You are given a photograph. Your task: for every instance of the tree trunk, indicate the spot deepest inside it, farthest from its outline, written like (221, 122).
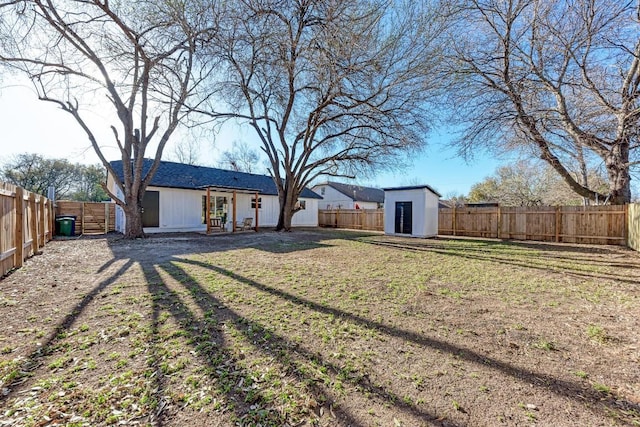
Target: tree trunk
(281, 200)
(619, 177)
(288, 199)
(133, 220)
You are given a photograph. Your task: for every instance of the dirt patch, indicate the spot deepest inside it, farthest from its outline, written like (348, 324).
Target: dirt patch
(320, 327)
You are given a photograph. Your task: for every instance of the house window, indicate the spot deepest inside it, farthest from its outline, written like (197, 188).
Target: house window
(322, 191)
(302, 204)
(253, 203)
(217, 208)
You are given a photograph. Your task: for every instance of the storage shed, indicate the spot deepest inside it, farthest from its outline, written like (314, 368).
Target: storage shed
(411, 211)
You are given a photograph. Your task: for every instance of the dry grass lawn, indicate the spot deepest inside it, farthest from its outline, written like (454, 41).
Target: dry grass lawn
(321, 328)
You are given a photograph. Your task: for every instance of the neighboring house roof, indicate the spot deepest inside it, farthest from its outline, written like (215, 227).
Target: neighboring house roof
(482, 205)
(414, 187)
(357, 192)
(445, 204)
(180, 175)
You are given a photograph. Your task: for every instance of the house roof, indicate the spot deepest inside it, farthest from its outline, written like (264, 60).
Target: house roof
(180, 175)
(357, 192)
(445, 204)
(414, 187)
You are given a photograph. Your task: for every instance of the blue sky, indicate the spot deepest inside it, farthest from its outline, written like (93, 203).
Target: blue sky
(33, 126)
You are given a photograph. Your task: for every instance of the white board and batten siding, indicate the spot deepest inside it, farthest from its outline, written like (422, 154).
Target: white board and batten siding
(423, 202)
(270, 210)
(180, 210)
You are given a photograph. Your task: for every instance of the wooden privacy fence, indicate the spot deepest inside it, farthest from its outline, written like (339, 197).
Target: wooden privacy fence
(357, 219)
(633, 233)
(618, 225)
(91, 217)
(26, 224)
(568, 224)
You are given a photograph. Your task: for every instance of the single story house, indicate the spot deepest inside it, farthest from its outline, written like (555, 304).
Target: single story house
(176, 199)
(336, 195)
(411, 211)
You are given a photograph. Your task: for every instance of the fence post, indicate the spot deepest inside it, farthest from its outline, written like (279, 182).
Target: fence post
(498, 226)
(454, 220)
(558, 222)
(41, 222)
(625, 228)
(106, 218)
(19, 236)
(82, 214)
(52, 219)
(34, 223)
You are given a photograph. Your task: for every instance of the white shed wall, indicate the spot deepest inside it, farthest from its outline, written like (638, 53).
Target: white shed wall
(424, 211)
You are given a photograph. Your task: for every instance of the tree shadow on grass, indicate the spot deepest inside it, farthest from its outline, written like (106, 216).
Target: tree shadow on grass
(128, 254)
(32, 361)
(539, 261)
(289, 355)
(574, 391)
(202, 334)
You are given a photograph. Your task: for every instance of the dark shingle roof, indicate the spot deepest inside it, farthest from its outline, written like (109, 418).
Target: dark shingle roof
(180, 175)
(362, 194)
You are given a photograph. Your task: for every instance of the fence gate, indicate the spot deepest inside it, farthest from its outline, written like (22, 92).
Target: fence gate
(91, 217)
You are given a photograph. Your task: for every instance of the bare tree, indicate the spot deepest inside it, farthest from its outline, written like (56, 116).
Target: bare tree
(330, 88)
(241, 158)
(187, 151)
(529, 183)
(562, 77)
(138, 56)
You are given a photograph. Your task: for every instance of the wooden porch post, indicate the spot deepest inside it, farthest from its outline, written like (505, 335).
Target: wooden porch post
(206, 210)
(256, 212)
(234, 213)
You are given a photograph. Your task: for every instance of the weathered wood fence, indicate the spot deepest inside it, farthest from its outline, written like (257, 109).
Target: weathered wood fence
(357, 219)
(91, 217)
(618, 225)
(568, 224)
(26, 224)
(633, 229)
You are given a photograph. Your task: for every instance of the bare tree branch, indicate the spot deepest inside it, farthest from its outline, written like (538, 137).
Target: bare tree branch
(562, 77)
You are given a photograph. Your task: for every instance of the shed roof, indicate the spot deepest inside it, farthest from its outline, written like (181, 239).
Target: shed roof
(180, 175)
(414, 187)
(358, 192)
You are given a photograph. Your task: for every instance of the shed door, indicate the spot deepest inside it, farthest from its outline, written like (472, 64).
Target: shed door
(151, 209)
(403, 217)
